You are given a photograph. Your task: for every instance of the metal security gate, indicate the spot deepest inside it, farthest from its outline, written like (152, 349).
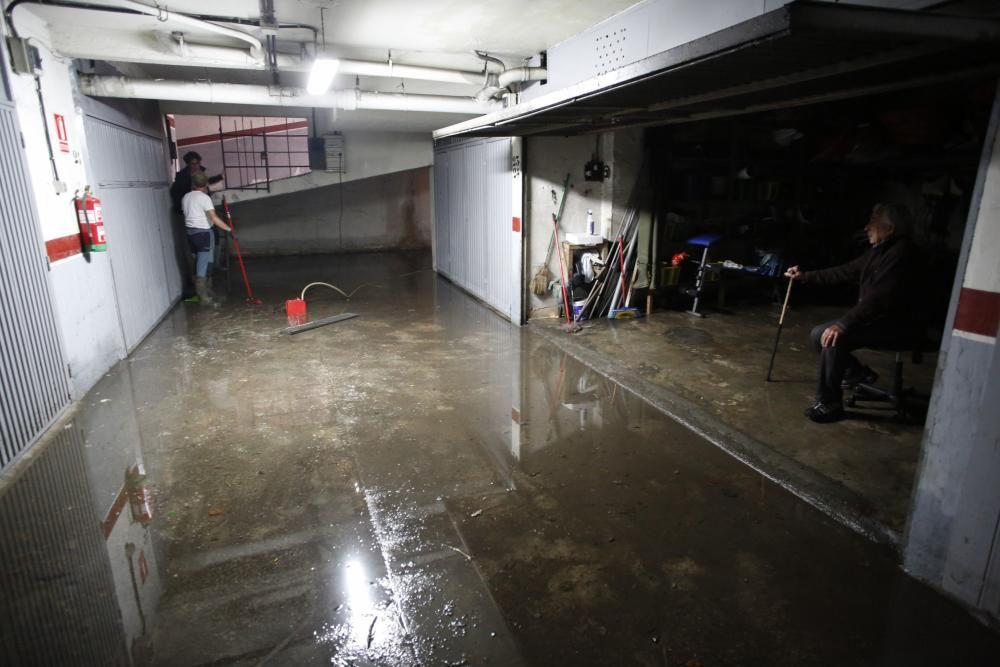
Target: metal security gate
(472, 218)
(33, 383)
(128, 169)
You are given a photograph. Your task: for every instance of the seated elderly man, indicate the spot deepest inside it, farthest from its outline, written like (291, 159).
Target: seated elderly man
(881, 317)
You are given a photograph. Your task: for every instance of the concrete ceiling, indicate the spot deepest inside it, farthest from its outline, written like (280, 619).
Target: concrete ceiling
(434, 33)
(441, 33)
(516, 28)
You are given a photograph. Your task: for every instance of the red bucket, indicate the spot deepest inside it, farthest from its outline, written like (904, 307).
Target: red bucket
(296, 311)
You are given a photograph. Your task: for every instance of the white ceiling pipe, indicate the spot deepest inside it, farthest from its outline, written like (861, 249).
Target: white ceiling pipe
(363, 68)
(521, 75)
(89, 45)
(406, 102)
(233, 93)
(165, 50)
(160, 48)
(174, 18)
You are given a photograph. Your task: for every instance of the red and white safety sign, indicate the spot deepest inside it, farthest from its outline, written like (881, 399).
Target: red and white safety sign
(61, 133)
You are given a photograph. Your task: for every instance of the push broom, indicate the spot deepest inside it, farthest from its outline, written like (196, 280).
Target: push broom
(251, 300)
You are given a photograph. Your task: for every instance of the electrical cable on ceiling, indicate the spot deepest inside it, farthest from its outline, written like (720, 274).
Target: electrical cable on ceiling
(215, 18)
(487, 59)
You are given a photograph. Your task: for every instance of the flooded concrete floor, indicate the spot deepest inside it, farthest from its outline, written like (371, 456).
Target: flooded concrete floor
(715, 368)
(421, 485)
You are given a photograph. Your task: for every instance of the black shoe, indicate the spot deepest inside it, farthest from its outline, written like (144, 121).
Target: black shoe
(825, 413)
(861, 375)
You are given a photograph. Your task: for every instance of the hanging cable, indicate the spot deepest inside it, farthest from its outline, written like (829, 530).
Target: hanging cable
(45, 126)
(322, 26)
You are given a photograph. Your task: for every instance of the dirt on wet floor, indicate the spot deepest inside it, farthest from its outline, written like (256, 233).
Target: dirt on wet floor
(712, 372)
(427, 485)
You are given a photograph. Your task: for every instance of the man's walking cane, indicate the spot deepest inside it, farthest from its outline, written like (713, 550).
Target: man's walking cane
(781, 323)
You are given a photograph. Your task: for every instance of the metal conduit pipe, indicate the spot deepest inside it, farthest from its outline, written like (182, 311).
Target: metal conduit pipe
(166, 49)
(256, 48)
(521, 75)
(201, 55)
(232, 93)
(498, 85)
(363, 68)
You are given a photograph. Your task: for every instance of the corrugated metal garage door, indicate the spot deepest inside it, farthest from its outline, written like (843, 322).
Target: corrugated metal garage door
(57, 595)
(33, 385)
(128, 168)
(472, 218)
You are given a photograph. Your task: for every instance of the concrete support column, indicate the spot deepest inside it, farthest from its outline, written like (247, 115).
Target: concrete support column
(519, 285)
(952, 541)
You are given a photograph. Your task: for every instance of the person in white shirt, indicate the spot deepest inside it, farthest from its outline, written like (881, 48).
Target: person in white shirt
(199, 216)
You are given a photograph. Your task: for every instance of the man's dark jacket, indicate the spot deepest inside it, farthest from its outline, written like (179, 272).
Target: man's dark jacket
(181, 186)
(885, 273)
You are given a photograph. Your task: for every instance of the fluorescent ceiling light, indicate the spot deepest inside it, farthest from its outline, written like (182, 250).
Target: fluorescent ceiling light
(321, 75)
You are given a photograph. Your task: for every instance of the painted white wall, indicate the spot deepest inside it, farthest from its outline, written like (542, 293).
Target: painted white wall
(55, 208)
(83, 296)
(952, 540)
(88, 319)
(368, 154)
(83, 292)
(549, 159)
(387, 212)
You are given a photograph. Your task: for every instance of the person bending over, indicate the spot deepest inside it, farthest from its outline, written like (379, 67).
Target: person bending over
(199, 216)
(880, 318)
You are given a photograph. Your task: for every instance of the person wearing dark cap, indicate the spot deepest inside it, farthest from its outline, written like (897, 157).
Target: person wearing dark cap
(881, 317)
(182, 181)
(180, 187)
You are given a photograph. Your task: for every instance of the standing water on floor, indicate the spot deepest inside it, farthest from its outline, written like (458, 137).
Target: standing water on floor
(422, 485)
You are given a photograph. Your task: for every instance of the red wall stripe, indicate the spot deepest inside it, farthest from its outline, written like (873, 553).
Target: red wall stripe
(978, 312)
(63, 247)
(247, 132)
(116, 509)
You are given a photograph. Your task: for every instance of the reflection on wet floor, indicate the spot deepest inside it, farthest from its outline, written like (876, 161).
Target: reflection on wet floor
(424, 484)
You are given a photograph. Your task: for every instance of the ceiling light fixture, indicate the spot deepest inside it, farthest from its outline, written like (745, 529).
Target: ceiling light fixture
(321, 75)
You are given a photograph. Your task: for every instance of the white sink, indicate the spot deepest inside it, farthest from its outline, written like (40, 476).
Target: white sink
(584, 239)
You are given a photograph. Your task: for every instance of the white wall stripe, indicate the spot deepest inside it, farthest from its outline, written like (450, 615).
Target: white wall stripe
(979, 338)
(983, 270)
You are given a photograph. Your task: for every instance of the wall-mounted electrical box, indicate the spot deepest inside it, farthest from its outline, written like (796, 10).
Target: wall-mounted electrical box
(336, 158)
(24, 58)
(595, 170)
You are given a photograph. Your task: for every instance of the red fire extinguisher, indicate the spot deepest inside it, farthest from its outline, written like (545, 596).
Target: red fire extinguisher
(91, 221)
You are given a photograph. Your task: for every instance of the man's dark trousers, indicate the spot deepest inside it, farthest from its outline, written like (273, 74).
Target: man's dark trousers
(837, 360)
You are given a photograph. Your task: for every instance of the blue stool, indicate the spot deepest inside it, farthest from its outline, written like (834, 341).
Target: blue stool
(704, 241)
